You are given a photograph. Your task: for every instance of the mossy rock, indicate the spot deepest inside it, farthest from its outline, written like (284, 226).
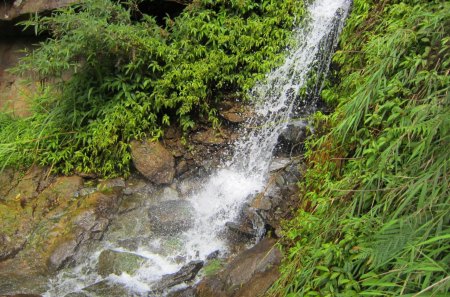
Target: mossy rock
(114, 262)
(106, 289)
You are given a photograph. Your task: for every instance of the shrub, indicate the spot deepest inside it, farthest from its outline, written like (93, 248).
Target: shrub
(129, 77)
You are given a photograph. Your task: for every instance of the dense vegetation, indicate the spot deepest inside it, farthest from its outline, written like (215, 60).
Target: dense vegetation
(374, 217)
(131, 77)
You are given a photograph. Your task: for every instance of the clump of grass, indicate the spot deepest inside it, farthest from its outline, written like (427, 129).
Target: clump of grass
(374, 212)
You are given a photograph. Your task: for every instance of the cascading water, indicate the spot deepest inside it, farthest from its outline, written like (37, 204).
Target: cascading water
(224, 193)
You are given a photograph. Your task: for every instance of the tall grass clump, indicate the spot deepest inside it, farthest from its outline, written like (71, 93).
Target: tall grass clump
(117, 75)
(374, 207)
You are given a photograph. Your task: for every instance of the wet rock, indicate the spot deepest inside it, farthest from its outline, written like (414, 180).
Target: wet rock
(186, 292)
(169, 194)
(138, 184)
(233, 116)
(62, 253)
(8, 179)
(107, 289)
(185, 274)
(292, 137)
(234, 112)
(169, 217)
(134, 201)
(213, 255)
(25, 210)
(84, 192)
(209, 137)
(86, 220)
(188, 185)
(28, 186)
(279, 163)
(17, 278)
(132, 224)
(111, 185)
(182, 167)
(241, 229)
(114, 262)
(262, 202)
(153, 161)
(280, 181)
(250, 274)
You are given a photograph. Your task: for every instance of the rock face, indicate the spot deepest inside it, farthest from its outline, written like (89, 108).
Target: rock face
(153, 161)
(250, 274)
(44, 224)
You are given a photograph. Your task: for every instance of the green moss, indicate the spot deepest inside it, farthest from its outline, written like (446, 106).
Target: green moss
(212, 267)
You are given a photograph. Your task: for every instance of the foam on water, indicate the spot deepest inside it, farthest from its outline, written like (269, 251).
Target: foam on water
(224, 193)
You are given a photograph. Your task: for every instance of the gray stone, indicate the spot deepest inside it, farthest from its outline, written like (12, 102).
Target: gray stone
(128, 225)
(241, 229)
(114, 262)
(169, 217)
(107, 289)
(189, 185)
(186, 292)
(62, 254)
(185, 274)
(293, 136)
(169, 194)
(279, 163)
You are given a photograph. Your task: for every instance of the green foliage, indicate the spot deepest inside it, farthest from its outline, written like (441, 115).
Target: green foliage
(212, 267)
(131, 78)
(374, 217)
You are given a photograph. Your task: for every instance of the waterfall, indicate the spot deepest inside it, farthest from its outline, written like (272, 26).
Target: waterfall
(223, 194)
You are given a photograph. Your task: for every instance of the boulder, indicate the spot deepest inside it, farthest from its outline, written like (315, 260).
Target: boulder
(106, 289)
(153, 161)
(114, 262)
(250, 274)
(169, 217)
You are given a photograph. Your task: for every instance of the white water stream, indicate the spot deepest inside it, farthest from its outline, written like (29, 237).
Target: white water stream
(221, 197)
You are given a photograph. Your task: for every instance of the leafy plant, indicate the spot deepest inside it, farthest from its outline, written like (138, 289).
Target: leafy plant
(129, 78)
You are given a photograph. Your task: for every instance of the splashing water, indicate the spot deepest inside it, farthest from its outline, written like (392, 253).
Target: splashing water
(222, 196)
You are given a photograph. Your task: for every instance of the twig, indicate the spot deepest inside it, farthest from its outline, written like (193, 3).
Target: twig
(432, 286)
